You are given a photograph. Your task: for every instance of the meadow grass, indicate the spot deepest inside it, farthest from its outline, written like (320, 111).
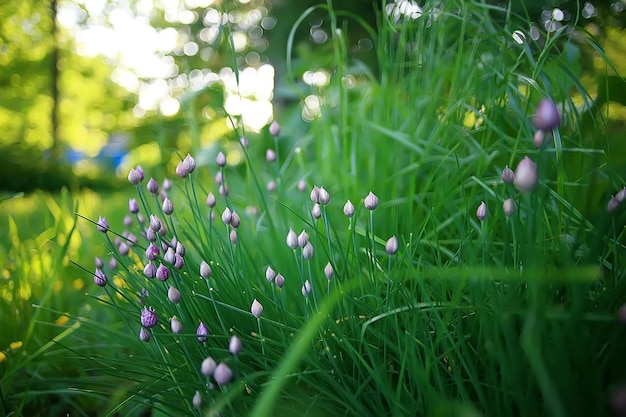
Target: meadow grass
(472, 313)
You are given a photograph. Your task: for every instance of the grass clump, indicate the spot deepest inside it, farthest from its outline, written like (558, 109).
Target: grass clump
(385, 262)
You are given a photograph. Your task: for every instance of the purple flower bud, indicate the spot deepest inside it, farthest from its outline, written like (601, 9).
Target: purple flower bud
(306, 288)
(180, 249)
(303, 239)
(139, 170)
(222, 374)
(155, 223)
(224, 190)
(133, 207)
(207, 367)
(547, 116)
(227, 216)
(152, 252)
(168, 206)
(176, 326)
(113, 263)
(153, 186)
(144, 335)
(169, 256)
(141, 219)
(348, 209)
(134, 177)
(102, 225)
(316, 211)
(150, 270)
(280, 280)
(329, 272)
(99, 278)
(292, 239)
(162, 273)
(202, 332)
(219, 177)
(235, 220)
(179, 262)
(257, 308)
(612, 205)
(244, 142)
(271, 186)
(542, 138)
(196, 401)
(98, 262)
(190, 163)
(128, 221)
(150, 235)
(508, 176)
(182, 170)
(508, 207)
(173, 295)
(235, 346)
(270, 274)
(274, 128)
(371, 201)
(324, 197)
(391, 247)
(205, 270)
(302, 185)
(481, 212)
(315, 194)
(270, 155)
(220, 159)
(621, 195)
(148, 317)
(526, 177)
(233, 237)
(167, 185)
(131, 239)
(210, 200)
(123, 249)
(307, 251)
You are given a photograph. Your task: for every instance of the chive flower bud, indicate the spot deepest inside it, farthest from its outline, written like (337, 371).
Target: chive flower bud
(270, 155)
(257, 308)
(508, 207)
(180, 249)
(224, 190)
(329, 272)
(316, 211)
(307, 251)
(274, 128)
(196, 401)
(155, 223)
(173, 295)
(292, 239)
(144, 335)
(235, 220)
(102, 225)
(179, 262)
(112, 263)
(168, 206)
(371, 201)
(99, 278)
(280, 280)
(270, 274)
(324, 197)
(244, 142)
(169, 256)
(98, 262)
(150, 270)
(207, 367)
(233, 237)
(205, 270)
(139, 170)
(182, 170)
(190, 163)
(303, 239)
(542, 138)
(481, 212)
(150, 235)
(621, 195)
(133, 207)
(219, 177)
(202, 332)
(547, 116)
(526, 177)
(315, 194)
(348, 209)
(122, 248)
(235, 346)
(220, 160)
(167, 185)
(391, 247)
(134, 177)
(508, 176)
(152, 186)
(128, 221)
(306, 288)
(612, 205)
(210, 200)
(271, 186)
(148, 317)
(176, 326)
(222, 374)
(152, 252)
(162, 273)
(301, 185)
(227, 216)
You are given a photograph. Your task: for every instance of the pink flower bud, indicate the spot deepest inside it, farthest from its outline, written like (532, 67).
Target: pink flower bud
(324, 197)
(144, 335)
(271, 186)
(541, 138)
(270, 155)
(270, 274)
(155, 223)
(205, 270)
(207, 367)
(391, 247)
(526, 177)
(133, 207)
(348, 209)
(233, 237)
(303, 239)
(306, 288)
(169, 256)
(481, 212)
(244, 142)
(612, 205)
(152, 186)
(621, 195)
(210, 200)
(508, 207)
(547, 116)
(292, 239)
(315, 194)
(134, 177)
(162, 273)
(508, 176)
(257, 308)
(235, 220)
(173, 295)
(316, 211)
(274, 128)
(176, 326)
(222, 374)
(167, 185)
(329, 272)
(235, 346)
(168, 206)
(280, 280)
(302, 186)
(196, 401)
(307, 251)
(102, 225)
(371, 201)
(150, 270)
(220, 159)
(227, 216)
